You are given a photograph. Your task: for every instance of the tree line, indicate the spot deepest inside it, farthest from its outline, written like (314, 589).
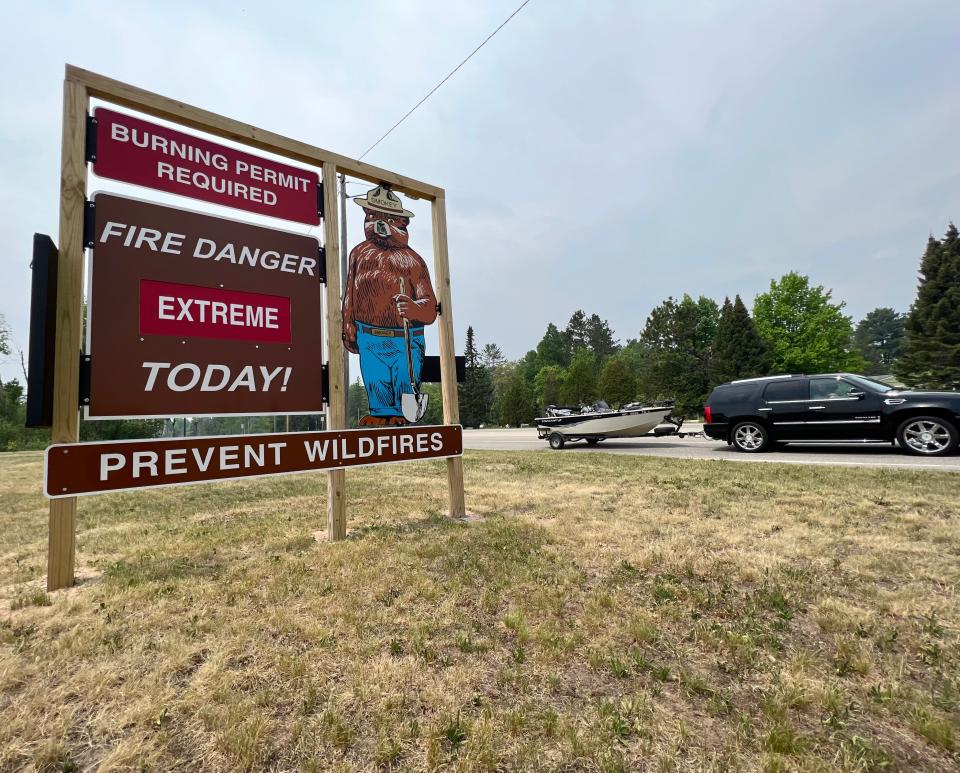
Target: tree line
(689, 345)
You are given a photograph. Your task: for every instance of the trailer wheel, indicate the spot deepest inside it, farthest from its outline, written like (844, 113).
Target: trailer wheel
(592, 441)
(556, 441)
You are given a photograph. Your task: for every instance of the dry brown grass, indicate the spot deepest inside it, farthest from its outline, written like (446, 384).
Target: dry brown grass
(604, 613)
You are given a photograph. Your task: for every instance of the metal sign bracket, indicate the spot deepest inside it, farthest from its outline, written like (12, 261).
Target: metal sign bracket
(89, 224)
(84, 393)
(90, 140)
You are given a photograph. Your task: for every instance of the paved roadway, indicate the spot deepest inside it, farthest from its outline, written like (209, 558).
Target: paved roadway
(859, 455)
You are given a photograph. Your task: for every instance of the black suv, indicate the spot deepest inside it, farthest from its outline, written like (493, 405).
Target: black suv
(755, 414)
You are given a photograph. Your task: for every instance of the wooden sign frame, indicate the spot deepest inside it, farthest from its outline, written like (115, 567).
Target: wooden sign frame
(78, 88)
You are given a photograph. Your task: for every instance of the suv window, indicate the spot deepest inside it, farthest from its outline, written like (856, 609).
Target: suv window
(730, 394)
(794, 389)
(830, 388)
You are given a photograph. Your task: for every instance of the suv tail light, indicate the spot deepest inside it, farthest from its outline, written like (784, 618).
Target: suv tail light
(707, 414)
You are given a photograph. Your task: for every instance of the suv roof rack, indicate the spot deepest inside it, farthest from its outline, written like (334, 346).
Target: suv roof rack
(768, 378)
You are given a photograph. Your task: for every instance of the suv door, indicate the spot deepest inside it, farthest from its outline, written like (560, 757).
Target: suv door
(784, 406)
(842, 410)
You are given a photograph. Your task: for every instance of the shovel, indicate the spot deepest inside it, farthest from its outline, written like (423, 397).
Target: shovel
(412, 405)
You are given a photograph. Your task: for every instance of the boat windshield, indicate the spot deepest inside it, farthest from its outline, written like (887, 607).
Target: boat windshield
(876, 386)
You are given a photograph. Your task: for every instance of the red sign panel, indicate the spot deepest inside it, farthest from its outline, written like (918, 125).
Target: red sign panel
(167, 308)
(91, 468)
(195, 315)
(136, 151)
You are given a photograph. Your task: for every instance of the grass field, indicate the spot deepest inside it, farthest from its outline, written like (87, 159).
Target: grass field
(599, 612)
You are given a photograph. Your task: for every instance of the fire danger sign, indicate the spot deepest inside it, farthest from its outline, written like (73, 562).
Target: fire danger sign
(197, 315)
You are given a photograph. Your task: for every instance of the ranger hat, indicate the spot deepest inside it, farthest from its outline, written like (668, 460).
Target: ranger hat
(382, 199)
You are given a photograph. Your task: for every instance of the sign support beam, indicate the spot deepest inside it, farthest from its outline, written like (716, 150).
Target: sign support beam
(448, 360)
(66, 411)
(336, 399)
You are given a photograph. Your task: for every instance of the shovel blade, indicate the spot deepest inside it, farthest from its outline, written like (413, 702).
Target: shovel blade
(413, 406)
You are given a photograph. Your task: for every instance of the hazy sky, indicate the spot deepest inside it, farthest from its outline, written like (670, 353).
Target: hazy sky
(596, 155)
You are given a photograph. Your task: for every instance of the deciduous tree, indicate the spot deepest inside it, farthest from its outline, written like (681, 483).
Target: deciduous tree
(514, 399)
(548, 385)
(580, 385)
(618, 386)
(806, 331)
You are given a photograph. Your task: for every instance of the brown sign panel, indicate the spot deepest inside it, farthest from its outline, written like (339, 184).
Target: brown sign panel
(197, 315)
(91, 468)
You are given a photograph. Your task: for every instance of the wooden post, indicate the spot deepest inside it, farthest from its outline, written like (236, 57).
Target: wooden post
(448, 361)
(66, 414)
(337, 400)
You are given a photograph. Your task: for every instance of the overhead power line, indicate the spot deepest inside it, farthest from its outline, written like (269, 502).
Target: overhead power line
(449, 75)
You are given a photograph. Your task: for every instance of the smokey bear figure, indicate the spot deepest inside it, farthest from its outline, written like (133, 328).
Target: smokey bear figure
(387, 283)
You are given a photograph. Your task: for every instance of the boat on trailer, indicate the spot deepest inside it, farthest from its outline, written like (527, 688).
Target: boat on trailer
(599, 421)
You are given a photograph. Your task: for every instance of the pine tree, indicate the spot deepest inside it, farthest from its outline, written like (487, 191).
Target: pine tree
(931, 357)
(879, 337)
(492, 356)
(357, 403)
(678, 338)
(600, 338)
(553, 347)
(4, 336)
(738, 349)
(476, 391)
(576, 334)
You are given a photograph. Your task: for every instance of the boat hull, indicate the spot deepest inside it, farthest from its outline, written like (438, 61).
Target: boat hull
(613, 425)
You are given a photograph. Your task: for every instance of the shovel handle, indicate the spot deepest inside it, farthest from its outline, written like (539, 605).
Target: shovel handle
(406, 340)
(406, 322)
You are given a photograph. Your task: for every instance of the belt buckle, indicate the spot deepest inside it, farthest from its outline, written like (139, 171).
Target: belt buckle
(379, 331)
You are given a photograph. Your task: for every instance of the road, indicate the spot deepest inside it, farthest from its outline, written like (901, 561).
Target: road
(703, 448)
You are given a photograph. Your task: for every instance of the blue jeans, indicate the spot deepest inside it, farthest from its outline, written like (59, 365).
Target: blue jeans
(383, 365)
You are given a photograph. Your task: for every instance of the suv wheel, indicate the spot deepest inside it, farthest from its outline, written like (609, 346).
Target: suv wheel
(750, 437)
(927, 436)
